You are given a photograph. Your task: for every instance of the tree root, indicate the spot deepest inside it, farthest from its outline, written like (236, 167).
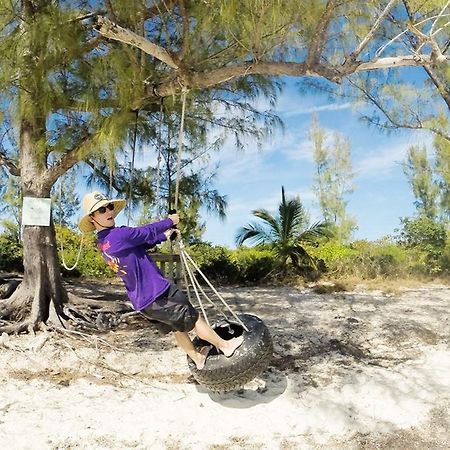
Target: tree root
(16, 314)
(8, 287)
(16, 328)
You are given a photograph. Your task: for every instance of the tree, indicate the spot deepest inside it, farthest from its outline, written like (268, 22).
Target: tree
(10, 202)
(419, 173)
(333, 179)
(74, 83)
(284, 233)
(66, 201)
(442, 169)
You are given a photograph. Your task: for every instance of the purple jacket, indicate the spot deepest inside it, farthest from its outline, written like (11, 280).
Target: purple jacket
(124, 250)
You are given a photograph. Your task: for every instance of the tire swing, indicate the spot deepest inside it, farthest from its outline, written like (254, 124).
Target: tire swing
(220, 373)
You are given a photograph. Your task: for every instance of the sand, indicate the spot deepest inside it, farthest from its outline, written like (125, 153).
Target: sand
(351, 370)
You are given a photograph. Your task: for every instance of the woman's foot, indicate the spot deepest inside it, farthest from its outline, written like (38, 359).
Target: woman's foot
(200, 357)
(232, 345)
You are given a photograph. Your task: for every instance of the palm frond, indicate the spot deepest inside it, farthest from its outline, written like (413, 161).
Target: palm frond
(315, 232)
(254, 233)
(271, 221)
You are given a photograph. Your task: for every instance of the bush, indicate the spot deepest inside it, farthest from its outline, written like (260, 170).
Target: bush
(253, 264)
(429, 240)
(233, 266)
(215, 262)
(362, 259)
(91, 262)
(11, 254)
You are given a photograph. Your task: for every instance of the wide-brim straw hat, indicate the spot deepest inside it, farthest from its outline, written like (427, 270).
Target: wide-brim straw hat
(94, 201)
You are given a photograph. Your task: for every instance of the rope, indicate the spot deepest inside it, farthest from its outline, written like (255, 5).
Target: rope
(133, 154)
(180, 148)
(186, 256)
(191, 276)
(61, 246)
(158, 166)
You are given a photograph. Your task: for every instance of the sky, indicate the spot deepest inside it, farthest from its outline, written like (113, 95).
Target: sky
(252, 179)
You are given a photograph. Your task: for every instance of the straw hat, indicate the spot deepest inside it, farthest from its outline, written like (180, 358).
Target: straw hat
(94, 201)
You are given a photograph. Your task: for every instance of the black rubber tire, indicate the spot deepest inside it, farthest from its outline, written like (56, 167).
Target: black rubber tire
(222, 374)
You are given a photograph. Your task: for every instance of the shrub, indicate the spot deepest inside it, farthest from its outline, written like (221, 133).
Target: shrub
(11, 254)
(91, 263)
(362, 259)
(429, 240)
(253, 264)
(215, 262)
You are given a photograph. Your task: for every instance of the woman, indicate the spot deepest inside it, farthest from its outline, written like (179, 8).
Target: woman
(124, 250)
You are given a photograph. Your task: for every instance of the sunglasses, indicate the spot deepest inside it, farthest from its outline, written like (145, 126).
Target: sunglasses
(102, 209)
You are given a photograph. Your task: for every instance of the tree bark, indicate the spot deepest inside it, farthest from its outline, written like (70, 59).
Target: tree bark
(41, 287)
(41, 291)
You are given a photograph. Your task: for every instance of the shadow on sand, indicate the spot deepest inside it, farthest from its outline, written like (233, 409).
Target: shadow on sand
(267, 387)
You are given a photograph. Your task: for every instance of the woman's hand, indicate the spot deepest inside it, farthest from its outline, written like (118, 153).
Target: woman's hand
(172, 234)
(174, 218)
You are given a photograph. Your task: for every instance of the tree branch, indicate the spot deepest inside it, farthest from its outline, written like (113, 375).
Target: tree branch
(203, 80)
(444, 89)
(66, 162)
(185, 34)
(200, 80)
(395, 123)
(156, 10)
(103, 176)
(8, 163)
(354, 55)
(112, 31)
(318, 42)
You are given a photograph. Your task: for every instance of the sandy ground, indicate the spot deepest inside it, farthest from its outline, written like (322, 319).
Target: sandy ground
(351, 370)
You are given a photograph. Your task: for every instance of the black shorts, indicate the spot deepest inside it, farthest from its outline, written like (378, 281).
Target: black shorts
(173, 308)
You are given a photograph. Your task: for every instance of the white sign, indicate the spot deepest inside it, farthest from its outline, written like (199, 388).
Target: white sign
(36, 211)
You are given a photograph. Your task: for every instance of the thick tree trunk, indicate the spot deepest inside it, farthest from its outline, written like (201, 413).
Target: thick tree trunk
(41, 292)
(41, 288)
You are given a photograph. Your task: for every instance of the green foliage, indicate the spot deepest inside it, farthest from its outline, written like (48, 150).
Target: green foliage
(254, 264)
(286, 233)
(91, 263)
(10, 206)
(429, 238)
(419, 172)
(361, 259)
(215, 262)
(422, 232)
(333, 180)
(244, 265)
(11, 253)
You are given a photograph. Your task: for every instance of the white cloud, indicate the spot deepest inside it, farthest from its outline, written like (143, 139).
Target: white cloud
(380, 162)
(315, 109)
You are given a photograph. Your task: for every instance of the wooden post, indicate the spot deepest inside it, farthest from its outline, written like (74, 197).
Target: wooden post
(170, 266)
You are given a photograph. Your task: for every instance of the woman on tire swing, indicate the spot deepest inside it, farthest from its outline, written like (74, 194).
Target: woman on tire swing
(124, 250)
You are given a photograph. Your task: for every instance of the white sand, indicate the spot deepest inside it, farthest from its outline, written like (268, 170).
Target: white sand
(351, 370)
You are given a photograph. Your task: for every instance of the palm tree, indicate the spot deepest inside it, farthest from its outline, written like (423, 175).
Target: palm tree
(285, 233)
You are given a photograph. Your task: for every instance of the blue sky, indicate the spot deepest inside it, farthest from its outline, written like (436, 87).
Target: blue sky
(253, 179)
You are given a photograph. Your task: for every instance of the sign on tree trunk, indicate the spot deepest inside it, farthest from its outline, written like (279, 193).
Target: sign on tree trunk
(36, 211)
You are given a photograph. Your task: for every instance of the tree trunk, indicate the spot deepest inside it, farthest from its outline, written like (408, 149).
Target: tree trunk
(41, 291)
(41, 287)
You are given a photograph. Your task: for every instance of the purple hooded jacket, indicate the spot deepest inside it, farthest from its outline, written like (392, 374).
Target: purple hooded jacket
(124, 250)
